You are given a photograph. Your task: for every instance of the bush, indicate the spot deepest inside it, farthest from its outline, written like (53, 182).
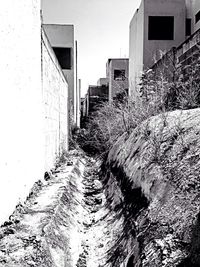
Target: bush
(172, 85)
(109, 122)
(162, 89)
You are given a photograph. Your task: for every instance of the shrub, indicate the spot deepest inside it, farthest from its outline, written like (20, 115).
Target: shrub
(110, 121)
(164, 88)
(172, 85)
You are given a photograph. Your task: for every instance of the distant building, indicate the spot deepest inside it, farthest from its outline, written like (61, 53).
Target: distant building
(96, 96)
(103, 81)
(117, 72)
(158, 26)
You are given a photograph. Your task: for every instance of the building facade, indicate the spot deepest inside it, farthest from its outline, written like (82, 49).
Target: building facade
(156, 27)
(117, 72)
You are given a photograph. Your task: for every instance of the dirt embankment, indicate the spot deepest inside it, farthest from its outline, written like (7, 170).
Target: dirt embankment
(158, 170)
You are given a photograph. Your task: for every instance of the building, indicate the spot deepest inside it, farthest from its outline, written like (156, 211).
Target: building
(33, 103)
(61, 38)
(103, 81)
(156, 27)
(107, 89)
(117, 72)
(95, 96)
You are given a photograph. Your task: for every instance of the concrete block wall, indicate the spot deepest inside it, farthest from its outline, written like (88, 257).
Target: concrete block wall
(180, 54)
(55, 96)
(31, 131)
(136, 48)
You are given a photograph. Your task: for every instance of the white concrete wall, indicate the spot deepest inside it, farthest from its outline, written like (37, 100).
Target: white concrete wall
(55, 97)
(22, 139)
(174, 8)
(136, 48)
(30, 138)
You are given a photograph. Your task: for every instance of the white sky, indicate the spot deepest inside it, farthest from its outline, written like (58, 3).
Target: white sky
(101, 29)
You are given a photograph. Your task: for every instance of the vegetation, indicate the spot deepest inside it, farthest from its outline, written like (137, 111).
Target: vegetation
(162, 89)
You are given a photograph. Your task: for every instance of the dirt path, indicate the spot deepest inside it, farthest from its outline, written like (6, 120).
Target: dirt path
(93, 242)
(99, 230)
(65, 221)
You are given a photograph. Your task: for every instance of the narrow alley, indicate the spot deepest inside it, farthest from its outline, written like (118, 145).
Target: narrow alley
(100, 133)
(103, 227)
(67, 220)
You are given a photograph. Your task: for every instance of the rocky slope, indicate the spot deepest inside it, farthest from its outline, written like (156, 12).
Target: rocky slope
(157, 169)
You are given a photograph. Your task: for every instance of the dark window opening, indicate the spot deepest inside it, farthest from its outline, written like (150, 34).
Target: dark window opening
(197, 17)
(161, 28)
(64, 57)
(188, 29)
(119, 75)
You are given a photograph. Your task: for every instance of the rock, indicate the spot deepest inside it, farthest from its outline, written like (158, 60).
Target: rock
(97, 184)
(7, 223)
(163, 160)
(47, 176)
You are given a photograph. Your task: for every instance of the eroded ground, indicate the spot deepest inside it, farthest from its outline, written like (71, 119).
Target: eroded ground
(65, 221)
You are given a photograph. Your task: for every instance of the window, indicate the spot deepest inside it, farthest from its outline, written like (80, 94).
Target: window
(197, 17)
(161, 28)
(119, 75)
(188, 29)
(64, 57)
